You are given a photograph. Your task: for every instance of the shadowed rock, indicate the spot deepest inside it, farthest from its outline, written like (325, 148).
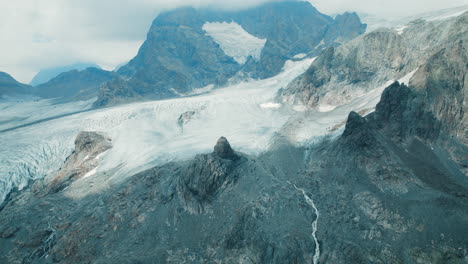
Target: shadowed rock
(223, 149)
(358, 132)
(185, 118)
(207, 175)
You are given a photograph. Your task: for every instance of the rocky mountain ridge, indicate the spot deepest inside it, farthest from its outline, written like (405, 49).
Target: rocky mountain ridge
(11, 87)
(75, 84)
(180, 55)
(369, 61)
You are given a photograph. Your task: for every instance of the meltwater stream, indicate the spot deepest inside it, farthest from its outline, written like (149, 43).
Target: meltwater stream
(314, 223)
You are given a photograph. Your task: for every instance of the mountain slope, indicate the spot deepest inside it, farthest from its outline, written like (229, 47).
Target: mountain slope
(192, 48)
(10, 87)
(75, 84)
(369, 61)
(46, 75)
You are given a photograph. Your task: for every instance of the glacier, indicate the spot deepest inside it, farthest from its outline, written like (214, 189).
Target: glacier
(235, 41)
(147, 134)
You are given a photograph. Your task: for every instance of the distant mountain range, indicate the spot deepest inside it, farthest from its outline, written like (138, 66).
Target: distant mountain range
(11, 87)
(75, 84)
(46, 75)
(70, 85)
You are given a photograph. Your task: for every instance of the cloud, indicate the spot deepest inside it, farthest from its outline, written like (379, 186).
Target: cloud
(38, 34)
(385, 8)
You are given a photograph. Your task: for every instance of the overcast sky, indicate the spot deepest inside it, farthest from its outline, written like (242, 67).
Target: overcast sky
(38, 34)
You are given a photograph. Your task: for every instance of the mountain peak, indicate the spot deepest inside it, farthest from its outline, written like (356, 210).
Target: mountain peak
(5, 77)
(223, 149)
(189, 48)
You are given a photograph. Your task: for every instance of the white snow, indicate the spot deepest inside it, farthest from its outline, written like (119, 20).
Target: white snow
(270, 105)
(448, 15)
(235, 41)
(400, 23)
(325, 108)
(176, 92)
(90, 173)
(299, 56)
(99, 156)
(406, 78)
(19, 113)
(202, 90)
(400, 30)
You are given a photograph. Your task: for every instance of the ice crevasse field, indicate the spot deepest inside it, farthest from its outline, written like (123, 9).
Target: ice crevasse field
(148, 134)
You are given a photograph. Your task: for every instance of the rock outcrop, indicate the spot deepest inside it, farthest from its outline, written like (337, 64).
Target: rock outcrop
(185, 118)
(223, 149)
(208, 174)
(81, 163)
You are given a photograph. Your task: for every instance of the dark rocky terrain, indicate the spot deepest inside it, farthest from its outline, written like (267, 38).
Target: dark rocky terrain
(391, 189)
(11, 87)
(179, 56)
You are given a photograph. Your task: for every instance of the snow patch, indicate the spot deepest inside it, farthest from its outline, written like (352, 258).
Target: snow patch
(176, 92)
(406, 79)
(270, 105)
(299, 56)
(299, 108)
(323, 108)
(235, 41)
(100, 155)
(202, 90)
(400, 30)
(90, 173)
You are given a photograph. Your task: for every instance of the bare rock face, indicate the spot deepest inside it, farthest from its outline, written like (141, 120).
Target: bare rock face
(185, 118)
(88, 146)
(223, 149)
(207, 175)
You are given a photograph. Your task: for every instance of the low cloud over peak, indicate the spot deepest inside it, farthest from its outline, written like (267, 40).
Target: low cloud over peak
(39, 34)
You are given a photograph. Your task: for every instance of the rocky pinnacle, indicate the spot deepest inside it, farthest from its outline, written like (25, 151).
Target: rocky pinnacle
(223, 149)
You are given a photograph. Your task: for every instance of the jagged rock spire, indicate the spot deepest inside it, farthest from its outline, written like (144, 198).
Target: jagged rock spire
(223, 149)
